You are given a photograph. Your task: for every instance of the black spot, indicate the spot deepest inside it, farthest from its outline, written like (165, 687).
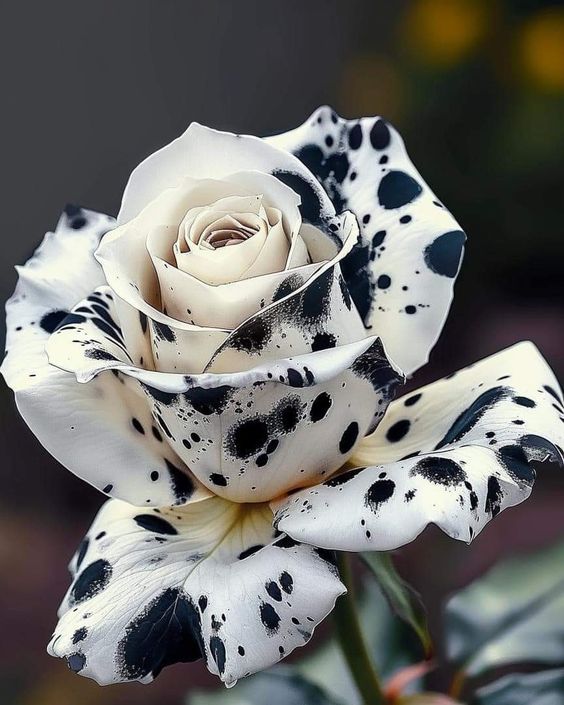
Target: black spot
(310, 207)
(380, 135)
(143, 322)
(252, 336)
(273, 590)
(443, 255)
(412, 400)
(156, 524)
(348, 439)
(182, 485)
(269, 617)
(397, 189)
(202, 603)
(262, 460)
(91, 581)
(315, 299)
(107, 489)
(164, 332)
(272, 446)
(248, 437)
(343, 477)
(466, 421)
(295, 379)
(410, 309)
(100, 354)
(384, 281)
(154, 475)
(398, 430)
(240, 651)
(355, 136)
(167, 631)
(79, 635)
(287, 582)
(286, 542)
(137, 426)
(209, 401)
(217, 648)
(552, 392)
(320, 407)
(494, 496)
(378, 238)
(52, 320)
(287, 287)
(76, 662)
(289, 416)
(515, 461)
(323, 341)
(356, 269)
(249, 551)
(219, 479)
(378, 493)
(525, 401)
(441, 471)
(165, 398)
(373, 365)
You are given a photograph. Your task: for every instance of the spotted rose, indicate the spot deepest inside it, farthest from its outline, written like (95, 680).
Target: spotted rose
(238, 335)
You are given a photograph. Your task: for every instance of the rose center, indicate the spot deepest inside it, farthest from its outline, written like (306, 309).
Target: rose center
(225, 237)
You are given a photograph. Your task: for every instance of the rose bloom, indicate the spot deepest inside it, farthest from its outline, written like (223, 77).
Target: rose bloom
(221, 361)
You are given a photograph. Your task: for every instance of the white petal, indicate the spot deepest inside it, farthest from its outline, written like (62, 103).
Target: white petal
(250, 435)
(402, 271)
(454, 453)
(101, 432)
(154, 587)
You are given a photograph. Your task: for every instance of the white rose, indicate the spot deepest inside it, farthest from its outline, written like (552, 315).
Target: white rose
(234, 336)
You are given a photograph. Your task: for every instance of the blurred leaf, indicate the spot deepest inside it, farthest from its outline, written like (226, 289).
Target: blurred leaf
(511, 615)
(279, 686)
(546, 688)
(401, 597)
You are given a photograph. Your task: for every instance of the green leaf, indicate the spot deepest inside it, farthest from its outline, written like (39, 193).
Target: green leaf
(279, 686)
(401, 597)
(511, 615)
(545, 688)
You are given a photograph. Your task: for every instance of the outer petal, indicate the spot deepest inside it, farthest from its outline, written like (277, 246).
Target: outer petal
(454, 453)
(402, 271)
(254, 434)
(154, 587)
(99, 432)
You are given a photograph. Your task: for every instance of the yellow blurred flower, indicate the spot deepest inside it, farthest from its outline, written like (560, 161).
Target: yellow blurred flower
(444, 32)
(541, 48)
(370, 85)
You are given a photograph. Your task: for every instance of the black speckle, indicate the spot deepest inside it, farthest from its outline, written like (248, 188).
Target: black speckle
(323, 341)
(52, 320)
(343, 478)
(320, 407)
(355, 136)
(274, 591)
(287, 582)
(398, 430)
(248, 437)
(156, 524)
(209, 401)
(137, 426)
(494, 496)
(311, 205)
(410, 401)
(76, 662)
(218, 479)
(182, 485)
(380, 135)
(349, 437)
(384, 281)
(443, 255)
(164, 332)
(441, 471)
(524, 401)
(92, 580)
(378, 493)
(249, 551)
(165, 632)
(269, 617)
(397, 189)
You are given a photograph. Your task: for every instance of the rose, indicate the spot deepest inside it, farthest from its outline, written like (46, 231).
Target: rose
(234, 335)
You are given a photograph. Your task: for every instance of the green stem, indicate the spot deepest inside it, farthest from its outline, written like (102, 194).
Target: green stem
(352, 641)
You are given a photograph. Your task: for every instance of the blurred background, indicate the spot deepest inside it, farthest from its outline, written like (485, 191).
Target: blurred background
(90, 88)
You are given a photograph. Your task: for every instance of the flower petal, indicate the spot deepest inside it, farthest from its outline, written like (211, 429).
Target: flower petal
(249, 435)
(154, 587)
(402, 271)
(203, 153)
(100, 432)
(454, 453)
